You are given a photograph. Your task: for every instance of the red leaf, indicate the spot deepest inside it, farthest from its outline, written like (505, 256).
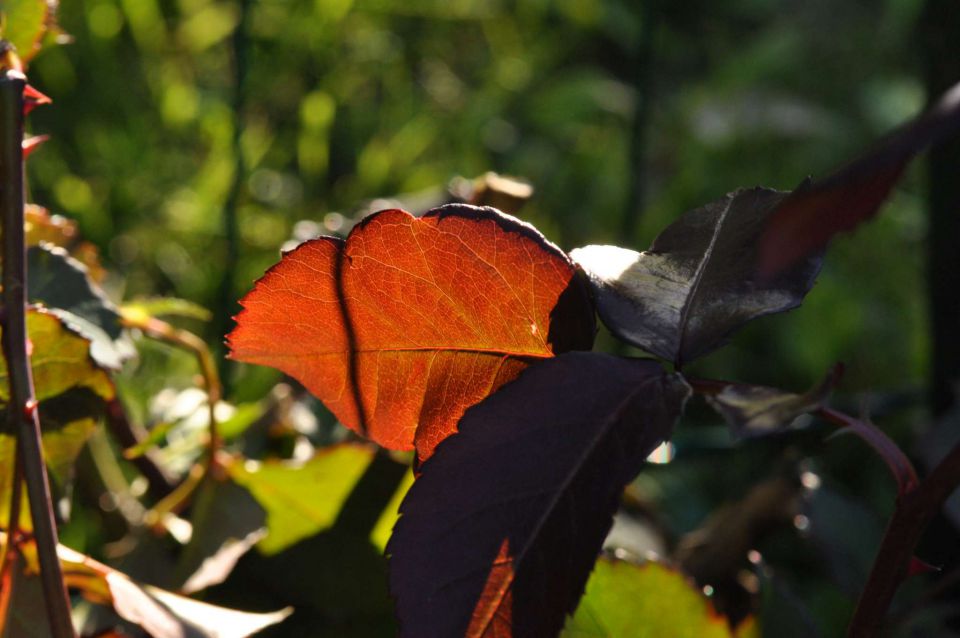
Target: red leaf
(410, 321)
(811, 216)
(498, 535)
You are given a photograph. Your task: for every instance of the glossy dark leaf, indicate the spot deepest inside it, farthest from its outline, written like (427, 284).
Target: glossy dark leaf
(63, 285)
(753, 409)
(697, 284)
(410, 321)
(809, 218)
(498, 535)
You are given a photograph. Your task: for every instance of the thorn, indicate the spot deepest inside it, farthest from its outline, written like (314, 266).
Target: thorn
(33, 98)
(30, 409)
(30, 144)
(918, 566)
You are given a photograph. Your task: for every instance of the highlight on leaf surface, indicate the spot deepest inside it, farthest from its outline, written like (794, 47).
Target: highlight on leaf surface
(498, 535)
(410, 321)
(682, 298)
(648, 600)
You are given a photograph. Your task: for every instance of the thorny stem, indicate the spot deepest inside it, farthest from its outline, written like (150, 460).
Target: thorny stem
(917, 503)
(163, 331)
(21, 409)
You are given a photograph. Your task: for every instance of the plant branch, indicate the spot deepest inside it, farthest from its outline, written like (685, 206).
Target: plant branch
(21, 409)
(917, 503)
(913, 513)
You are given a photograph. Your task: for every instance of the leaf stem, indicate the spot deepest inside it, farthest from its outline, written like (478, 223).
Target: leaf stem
(913, 513)
(21, 411)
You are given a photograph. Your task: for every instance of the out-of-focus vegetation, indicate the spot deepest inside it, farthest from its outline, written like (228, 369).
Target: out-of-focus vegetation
(343, 102)
(172, 117)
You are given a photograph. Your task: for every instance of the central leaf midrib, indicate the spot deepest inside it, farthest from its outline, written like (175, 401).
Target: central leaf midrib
(697, 278)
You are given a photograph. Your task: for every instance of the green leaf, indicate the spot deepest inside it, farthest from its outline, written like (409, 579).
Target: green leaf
(647, 601)
(60, 359)
(142, 309)
(25, 23)
(302, 500)
(63, 284)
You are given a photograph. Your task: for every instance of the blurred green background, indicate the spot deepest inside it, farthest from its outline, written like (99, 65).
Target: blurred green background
(192, 138)
(342, 102)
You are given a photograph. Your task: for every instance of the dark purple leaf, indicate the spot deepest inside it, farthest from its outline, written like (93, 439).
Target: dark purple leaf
(809, 218)
(682, 298)
(499, 534)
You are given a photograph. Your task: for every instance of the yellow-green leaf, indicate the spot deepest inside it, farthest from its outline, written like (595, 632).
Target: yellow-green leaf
(24, 24)
(302, 499)
(647, 601)
(60, 359)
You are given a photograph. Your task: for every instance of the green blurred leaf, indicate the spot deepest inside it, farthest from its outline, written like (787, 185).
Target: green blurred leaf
(62, 284)
(648, 600)
(142, 309)
(154, 437)
(60, 359)
(245, 415)
(302, 500)
(25, 23)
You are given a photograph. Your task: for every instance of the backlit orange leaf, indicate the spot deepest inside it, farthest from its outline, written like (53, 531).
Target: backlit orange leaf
(410, 321)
